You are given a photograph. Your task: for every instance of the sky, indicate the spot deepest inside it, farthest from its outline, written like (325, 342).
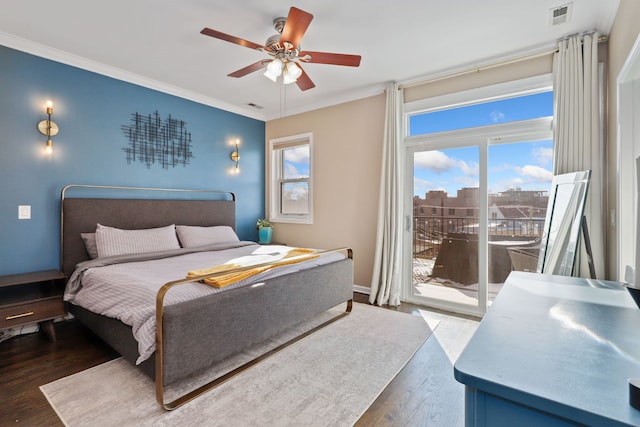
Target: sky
(527, 164)
(296, 163)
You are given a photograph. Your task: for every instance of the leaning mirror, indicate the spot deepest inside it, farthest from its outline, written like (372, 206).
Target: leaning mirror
(563, 223)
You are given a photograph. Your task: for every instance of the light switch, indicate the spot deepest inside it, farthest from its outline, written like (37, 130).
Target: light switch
(24, 212)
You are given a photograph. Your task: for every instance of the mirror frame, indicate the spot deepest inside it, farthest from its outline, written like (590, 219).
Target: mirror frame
(558, 252)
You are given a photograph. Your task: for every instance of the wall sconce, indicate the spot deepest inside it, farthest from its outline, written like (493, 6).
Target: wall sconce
(235, 156)
(48, 127)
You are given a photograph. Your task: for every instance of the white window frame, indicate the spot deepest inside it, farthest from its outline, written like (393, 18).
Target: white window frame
(514, 88)
(483, 137)
(275, 179)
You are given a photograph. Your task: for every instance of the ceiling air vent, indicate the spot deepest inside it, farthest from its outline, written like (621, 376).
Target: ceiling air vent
(560, 15)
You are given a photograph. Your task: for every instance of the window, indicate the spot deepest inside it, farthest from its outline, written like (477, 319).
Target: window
(452, 212)
(291, 189)
(481, 113)
(487, 153)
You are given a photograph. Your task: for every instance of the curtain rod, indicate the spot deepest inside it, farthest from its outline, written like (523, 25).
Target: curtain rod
(488, 66)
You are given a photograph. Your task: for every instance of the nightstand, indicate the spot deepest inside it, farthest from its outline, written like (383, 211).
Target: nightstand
(32, 297)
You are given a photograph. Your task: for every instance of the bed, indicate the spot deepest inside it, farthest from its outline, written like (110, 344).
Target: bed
(190, 333)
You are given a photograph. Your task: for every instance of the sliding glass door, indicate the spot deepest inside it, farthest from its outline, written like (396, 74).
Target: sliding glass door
(475, 204)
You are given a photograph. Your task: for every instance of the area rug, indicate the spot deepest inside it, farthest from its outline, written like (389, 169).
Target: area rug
(330, 377)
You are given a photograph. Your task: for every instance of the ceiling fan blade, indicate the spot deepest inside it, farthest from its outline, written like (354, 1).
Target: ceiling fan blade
(330, 58)
(297, 23)
(232, 39)
(250, 69)
(304, 81)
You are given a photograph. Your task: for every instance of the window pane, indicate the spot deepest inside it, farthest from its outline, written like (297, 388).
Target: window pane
(295, 198)
(525, 165)
(519, 179)
(295, 162)
(291, 181)
(445, 244)
(488, 113)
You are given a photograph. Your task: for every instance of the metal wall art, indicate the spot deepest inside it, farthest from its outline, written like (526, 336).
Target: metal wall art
(153, 140)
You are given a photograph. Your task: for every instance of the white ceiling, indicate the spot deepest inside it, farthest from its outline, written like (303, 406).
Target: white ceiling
(158, 43)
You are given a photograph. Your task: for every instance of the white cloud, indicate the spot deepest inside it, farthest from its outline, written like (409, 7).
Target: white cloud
(536, 173)
(438, 162)
(469, 169)
(421, 186)
(296, 192)
(467, 181)
(434, 160)
(496, 116)
(298, 154)
(543, 155)
(500, 168)
(291, 171)
(507, 184)
(423, 183)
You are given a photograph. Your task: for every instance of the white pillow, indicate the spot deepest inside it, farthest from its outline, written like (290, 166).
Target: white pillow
(191, 236)
(114, 241)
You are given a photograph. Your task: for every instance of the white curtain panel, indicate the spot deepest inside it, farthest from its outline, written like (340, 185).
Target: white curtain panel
(387, 274)
(577, 135)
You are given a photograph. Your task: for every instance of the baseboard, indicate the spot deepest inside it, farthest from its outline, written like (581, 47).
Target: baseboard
(362, 289)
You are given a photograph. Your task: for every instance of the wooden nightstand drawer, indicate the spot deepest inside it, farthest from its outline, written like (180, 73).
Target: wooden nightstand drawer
(31, 312)
(34, 297)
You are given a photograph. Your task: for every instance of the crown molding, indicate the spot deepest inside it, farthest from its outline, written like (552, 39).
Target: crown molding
(77, 61)
(352, 95)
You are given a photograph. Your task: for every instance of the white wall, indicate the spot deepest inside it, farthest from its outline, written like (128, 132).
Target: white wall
(621, 177)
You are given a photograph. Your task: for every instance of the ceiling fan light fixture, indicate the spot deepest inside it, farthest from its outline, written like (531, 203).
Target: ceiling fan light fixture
(286, 78)
(291, 73)
(270, 76)
(274, 69)
(293, 70)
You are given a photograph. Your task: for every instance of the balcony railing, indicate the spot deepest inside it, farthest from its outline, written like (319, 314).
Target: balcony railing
(428, 231)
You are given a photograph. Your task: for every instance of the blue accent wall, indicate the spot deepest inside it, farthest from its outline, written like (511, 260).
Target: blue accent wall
(90, 109)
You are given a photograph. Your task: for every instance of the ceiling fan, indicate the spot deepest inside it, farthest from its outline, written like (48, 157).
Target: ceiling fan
(285, 49)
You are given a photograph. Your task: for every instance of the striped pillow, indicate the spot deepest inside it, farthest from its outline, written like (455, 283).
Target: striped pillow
(191, 236)
(114, 241)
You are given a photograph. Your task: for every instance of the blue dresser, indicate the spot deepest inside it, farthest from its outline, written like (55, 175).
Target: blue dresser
(553, 351)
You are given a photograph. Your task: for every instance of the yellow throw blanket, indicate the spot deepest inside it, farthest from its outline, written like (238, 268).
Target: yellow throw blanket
(241, 268)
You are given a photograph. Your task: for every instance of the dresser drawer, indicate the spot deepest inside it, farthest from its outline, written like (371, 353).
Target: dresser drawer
(31, 312)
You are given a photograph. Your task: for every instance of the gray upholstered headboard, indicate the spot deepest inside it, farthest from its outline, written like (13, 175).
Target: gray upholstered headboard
(80, 215)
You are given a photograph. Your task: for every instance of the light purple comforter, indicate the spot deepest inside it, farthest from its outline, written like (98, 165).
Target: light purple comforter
(125, 287)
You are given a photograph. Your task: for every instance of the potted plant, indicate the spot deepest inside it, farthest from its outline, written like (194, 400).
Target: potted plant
(265, 231)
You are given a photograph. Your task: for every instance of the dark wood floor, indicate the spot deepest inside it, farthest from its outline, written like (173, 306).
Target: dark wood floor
(29, 361)
(424, 393)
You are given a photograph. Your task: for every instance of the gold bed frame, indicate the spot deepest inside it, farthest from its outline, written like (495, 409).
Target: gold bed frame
(225, 377)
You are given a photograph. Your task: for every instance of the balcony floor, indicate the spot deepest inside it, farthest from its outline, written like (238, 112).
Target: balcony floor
(443, 289)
